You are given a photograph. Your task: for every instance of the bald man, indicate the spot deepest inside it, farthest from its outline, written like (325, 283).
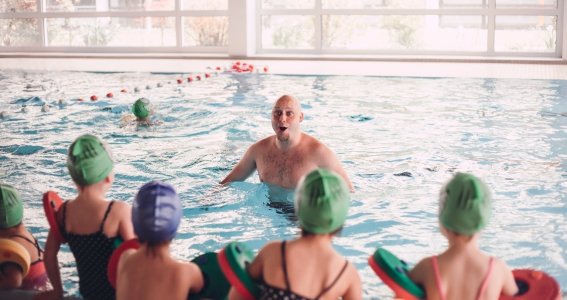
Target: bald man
(282, 159)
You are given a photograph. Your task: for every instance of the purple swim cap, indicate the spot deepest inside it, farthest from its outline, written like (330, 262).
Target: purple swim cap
(156, 212)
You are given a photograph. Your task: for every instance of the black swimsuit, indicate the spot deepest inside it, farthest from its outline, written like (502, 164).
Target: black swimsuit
(92, 253)
(269, 292)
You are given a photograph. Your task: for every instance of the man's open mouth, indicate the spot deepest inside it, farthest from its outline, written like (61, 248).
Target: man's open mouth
(283, 128)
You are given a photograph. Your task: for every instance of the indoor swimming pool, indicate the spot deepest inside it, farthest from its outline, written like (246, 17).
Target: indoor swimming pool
(399, 139)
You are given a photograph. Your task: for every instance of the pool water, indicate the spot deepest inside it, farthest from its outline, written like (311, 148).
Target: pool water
(398, 138)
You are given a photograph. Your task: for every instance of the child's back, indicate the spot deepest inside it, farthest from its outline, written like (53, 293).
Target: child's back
(463, 271)
(12, 227)
(309, 267)
(150, 272)
(90, 223)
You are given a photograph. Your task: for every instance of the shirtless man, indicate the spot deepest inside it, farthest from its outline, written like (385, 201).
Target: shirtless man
(282, 159)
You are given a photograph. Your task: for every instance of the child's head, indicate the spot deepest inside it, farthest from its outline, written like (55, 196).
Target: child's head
(89, 161)
(321, 202)
(465, 205)
(156, 213)
(142, 108)
(11, 207)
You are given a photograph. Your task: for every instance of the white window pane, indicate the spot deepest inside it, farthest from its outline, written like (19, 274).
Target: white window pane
(18, 5)
(525, 33)
(78, 5)
(141, 5)
(463, 3)
(288, 4)
(395, 32)
(288, 32)
(111, 32)
(205, 31)
(410, 4)
(204, 4)
(19, 33)
(526, 4)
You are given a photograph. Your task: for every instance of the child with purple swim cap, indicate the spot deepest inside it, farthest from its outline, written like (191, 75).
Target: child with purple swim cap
(150, 272)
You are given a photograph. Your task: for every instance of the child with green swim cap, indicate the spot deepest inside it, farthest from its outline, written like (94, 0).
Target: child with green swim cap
(156, 215)
(463, 271)
(308, 267)
(142, 110)
(89, 223)
(12, 227)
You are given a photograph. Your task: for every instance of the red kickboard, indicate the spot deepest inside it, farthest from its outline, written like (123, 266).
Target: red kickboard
(232, 277)
(534, 285)
(51, 204)
(112, 270)
(400, 292)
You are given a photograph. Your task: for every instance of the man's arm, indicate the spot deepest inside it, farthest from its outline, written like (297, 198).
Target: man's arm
(328, 160)
(244, 168)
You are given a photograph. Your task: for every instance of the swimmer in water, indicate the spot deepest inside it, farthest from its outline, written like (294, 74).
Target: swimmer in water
(142, 111)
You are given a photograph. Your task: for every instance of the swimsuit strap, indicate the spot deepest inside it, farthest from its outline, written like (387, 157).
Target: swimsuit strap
(287, 285)
(103, 219)
(34, 242)
(437, 277)
(105, 215)
(334, 281)
(484, 284)
(64, 227)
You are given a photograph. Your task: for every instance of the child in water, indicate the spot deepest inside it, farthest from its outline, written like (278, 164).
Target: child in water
(150, 272)
(89, 223)
(143, 110)
(13, 228)
(308, 267)
(463, 271)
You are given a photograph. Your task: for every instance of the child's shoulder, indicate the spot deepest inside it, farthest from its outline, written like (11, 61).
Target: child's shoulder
(121, 209)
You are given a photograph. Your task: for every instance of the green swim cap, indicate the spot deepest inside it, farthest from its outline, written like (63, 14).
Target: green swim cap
(11, 207)
(465, 204)
(88, 161)
(321, 202)
(141, 108)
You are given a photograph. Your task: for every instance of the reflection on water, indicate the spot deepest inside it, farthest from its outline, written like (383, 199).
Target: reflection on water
(398, 138)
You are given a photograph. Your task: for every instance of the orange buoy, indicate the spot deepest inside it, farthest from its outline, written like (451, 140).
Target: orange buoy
(94, 98)
(179, 81)
(109, 95)
(189, 79)
(198, 77)
(265, 69)
(124, 91)
(207, 75)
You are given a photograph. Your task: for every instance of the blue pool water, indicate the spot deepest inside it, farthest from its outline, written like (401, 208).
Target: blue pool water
(398, 138)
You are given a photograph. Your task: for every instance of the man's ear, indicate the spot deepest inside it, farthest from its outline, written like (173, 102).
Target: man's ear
(301, 117)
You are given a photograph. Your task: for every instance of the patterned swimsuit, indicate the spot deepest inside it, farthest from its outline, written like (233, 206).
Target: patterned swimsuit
(92, 253)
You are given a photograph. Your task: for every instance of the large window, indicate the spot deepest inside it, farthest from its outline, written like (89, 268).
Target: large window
(481, 28)
(420, 27)
(114, 25)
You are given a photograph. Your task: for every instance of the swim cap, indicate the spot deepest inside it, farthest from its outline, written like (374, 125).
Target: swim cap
(141, 108)
(465, 204)
(88, 161)
(156, 212)
(321, 202)
(11, 207)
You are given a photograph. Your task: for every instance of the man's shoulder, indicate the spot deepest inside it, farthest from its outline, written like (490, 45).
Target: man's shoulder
(263, 142)
(312, 143)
